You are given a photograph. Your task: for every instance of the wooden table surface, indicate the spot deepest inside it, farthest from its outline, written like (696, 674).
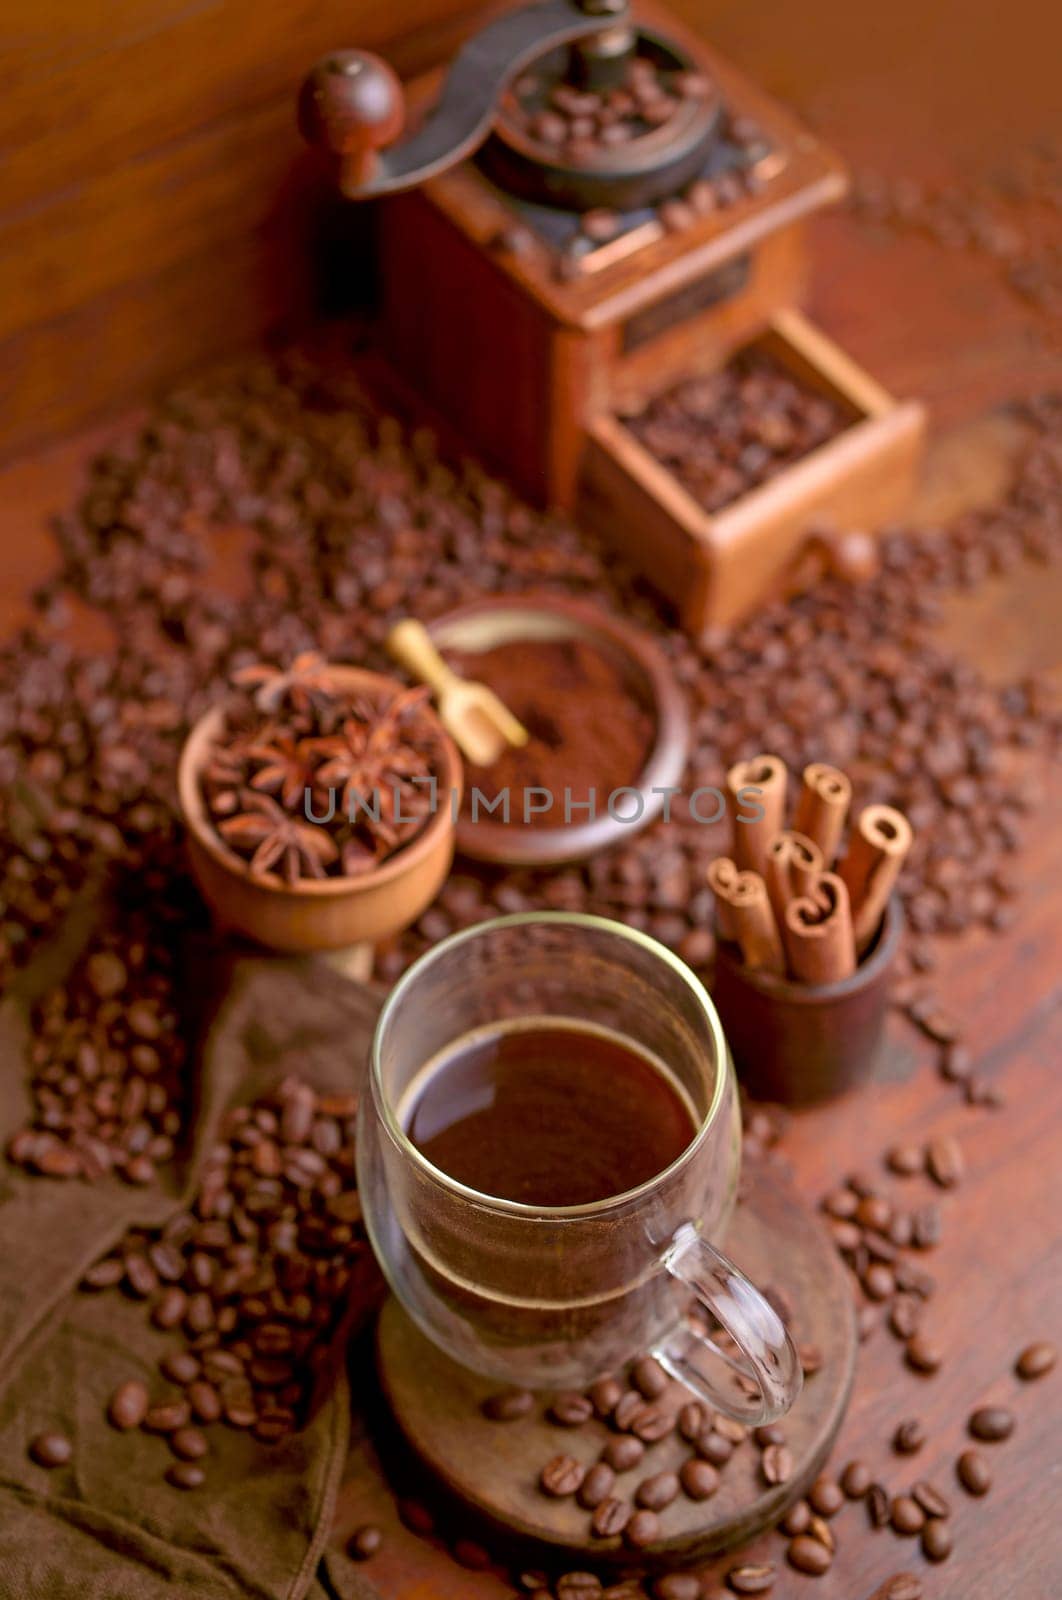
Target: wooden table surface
(922, 90)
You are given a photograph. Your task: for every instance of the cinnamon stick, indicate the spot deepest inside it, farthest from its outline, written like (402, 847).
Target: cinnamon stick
(819, 942)
(756, 818)
(822, 808)
(793, 863)
(877, 849)
(744, 916)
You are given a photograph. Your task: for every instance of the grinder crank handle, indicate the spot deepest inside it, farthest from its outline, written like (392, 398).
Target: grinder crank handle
(352, 106)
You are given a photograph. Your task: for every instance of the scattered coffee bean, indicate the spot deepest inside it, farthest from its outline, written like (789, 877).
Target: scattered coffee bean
(944, 1162)
(623, 1453)
(878, 1505)
(51, 1449)
(180, 1366)
(649, 1377)
(693, 1420)
(657, 1493)
(973, 1472)
(185, 1475)
(991, 1424)
(129, 1404)
(678, 1586)
(856, 1479)
(936, 1540)
(809, 1556)
(1036, 1361)
(878, 1281)
(508, 1405)
(907, 1515)
(771, 1433)
(642, 1530)
(167, 1416)
(776, 1464)
(605, 1395)
(630, 1405)
(467, 1553)
(364, 1542)
(905, 1159)
(752, 1577)
(825, 1496)
(561, 1476)
(904, 1586)
(797, 1519)
(652, 1421)
(923, 1355)
(905, 1314)
(931, 1500)
(712, 1447)
(610, 1518)
(731, 1429)
(596, 1486)
(188, 1443)
(570, 1410)
(417, 1517)
(699, 1479)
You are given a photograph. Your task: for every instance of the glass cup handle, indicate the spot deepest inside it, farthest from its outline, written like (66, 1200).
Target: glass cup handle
(760, 1378)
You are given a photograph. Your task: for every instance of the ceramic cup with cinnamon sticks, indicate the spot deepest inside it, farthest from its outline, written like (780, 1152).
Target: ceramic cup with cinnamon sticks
(808, 928)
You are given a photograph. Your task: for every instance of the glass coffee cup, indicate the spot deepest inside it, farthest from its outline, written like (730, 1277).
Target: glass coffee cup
(556, 1296)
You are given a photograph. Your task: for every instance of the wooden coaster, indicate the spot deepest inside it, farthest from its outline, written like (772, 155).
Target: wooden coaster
(493, 1467)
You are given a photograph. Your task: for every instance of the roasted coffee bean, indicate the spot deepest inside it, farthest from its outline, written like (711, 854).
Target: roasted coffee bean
(170, 1307)
(699, 1479)
(605, 1395)
(730, 1429)
(771, 1433)
(879, 1506)
(416, 1517)
(752, 1577)
(944, 1162)
(956, 1062)
(825, 1496)
(364, 1542)
(905, 1314)
(819, 1528)
(561, 1476)
(649, 1377)
(570, 1410)
(652, 1421)
(926, 1227)
(1036, 1361)
(904, 1586)
(936, 1540)
(922, 1354)
(188, 1443)
(657, 1492)
(909, 1437)
(167, 1416)
(878, 1281)
(713, 1448)
(610, 1518)
(51, 1449)
(856, 1480)
(628, 1406)
(874, 1212)
(204, 1401)
(809, 1556)
(776, 1464)
(128, 1405)
(467, 1553)
(579, 1586)
(185, 1475)
(905, 1159)
(678, 1586)
(642, 1530)
(596, 1486)
(623, 1453)
(906, 1515)
(180, 1366)
(797, 1519)
(693, 1420)
(930, 1499)
(991, 1423)
(973, 1472)
(841, 1204)
(508, 1405)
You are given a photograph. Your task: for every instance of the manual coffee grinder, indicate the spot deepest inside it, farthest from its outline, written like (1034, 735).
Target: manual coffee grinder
(591, 206)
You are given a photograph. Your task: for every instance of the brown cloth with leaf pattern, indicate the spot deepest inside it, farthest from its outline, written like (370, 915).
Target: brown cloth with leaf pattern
(107, 1526)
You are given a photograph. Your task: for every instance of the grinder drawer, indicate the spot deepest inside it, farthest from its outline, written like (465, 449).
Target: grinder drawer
(717, 566)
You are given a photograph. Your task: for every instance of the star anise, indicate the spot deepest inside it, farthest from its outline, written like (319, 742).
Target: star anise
(285, 767)
(272, 837)
(307, 683)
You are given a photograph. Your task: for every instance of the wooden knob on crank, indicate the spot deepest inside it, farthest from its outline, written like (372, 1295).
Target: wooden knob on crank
(351, 105)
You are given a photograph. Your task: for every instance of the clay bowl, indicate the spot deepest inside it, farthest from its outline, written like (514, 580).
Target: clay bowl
(319, 914)
(481, 625)
(800, 1043)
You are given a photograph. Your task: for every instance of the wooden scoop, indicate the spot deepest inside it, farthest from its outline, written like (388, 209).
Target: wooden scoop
(470, 712)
